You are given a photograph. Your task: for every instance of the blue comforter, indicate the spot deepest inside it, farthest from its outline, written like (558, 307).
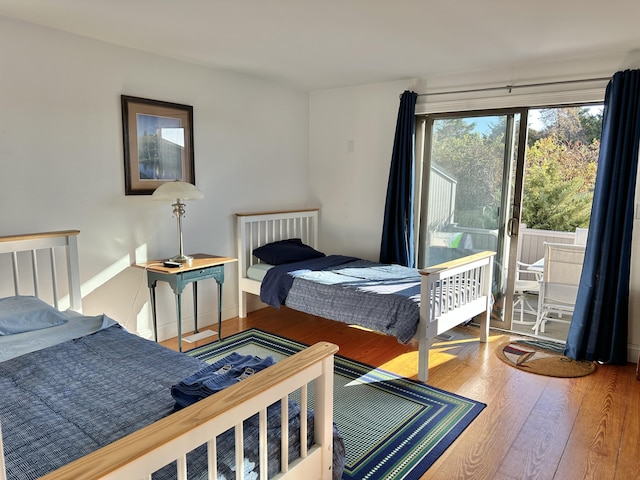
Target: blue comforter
(278, 280)
(381, 297)
(65, 401)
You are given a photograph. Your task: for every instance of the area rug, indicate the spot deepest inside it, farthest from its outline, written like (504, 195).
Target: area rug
(542, 358)
(393, 427)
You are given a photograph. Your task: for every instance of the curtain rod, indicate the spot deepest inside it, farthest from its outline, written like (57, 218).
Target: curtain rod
(511, 87)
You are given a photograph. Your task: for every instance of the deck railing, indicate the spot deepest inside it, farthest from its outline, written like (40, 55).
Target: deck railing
(532, 242)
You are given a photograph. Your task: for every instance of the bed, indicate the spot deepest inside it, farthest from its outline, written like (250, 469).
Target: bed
(421, 304)
(83, 398)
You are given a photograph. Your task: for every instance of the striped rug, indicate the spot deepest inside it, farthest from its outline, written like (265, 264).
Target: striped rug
(393, 427)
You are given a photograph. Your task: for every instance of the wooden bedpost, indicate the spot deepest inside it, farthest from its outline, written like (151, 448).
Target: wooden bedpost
(425, 336)
(485, 318)
(73, 270)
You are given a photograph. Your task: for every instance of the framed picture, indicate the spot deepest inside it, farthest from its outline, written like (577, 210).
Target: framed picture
(158, 144)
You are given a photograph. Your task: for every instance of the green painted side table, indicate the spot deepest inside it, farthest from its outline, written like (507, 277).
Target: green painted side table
(203, 266)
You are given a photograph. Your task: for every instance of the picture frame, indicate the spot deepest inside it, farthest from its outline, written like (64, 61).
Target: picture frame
(158, 144)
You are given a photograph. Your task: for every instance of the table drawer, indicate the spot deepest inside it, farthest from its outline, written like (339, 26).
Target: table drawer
(216, 272)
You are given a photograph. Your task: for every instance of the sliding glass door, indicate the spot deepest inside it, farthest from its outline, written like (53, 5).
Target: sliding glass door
(471, 192)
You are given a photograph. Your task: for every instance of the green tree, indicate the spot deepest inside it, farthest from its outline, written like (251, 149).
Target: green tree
(560, 170)
(571, 124)
(591, 121)
(475, 161)
(558, 186)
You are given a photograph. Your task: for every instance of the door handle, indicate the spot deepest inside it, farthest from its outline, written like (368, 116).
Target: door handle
(513, 227)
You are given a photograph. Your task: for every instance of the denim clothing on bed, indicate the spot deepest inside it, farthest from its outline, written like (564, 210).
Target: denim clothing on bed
(217, 376)
(45, 426)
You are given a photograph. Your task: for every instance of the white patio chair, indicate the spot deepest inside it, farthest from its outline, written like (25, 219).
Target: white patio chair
(560, 280)
(526, 286)
(525, 289)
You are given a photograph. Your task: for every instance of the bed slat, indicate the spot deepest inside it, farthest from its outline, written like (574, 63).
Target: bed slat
(36, 280)
(3, 469)
(212, 454)
(239, 431)
(284, 433)
(181, 465)
(16, 273)
(304, 400)
(264, 455)
(52, 259)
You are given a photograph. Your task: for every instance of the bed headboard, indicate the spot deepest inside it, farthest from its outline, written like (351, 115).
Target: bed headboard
(34, 259)
(257, 229)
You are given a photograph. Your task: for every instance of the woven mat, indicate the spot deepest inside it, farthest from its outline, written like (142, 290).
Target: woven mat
(393, 427)
(542, 358)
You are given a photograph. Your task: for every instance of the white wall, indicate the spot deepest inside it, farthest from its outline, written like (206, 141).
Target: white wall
(350, 143)
(61, 158)
(350, 186)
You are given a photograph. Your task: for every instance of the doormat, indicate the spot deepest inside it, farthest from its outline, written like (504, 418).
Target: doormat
(393, 427)
(543, 358)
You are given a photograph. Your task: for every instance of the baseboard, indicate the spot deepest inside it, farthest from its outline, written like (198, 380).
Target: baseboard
(633, 353)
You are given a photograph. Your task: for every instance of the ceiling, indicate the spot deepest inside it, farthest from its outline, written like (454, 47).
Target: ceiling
(321, 44)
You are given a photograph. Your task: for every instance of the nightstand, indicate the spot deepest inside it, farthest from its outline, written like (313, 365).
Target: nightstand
(204, 266)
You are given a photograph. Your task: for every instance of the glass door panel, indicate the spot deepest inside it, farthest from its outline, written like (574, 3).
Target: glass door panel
(469, 200)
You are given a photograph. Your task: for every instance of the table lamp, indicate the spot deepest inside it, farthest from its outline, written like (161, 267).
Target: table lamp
(177, 192)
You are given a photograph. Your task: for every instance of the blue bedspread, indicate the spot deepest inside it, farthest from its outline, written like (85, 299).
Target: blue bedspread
(62, 402)
(381, 297)
(278, 280)
(77, 326)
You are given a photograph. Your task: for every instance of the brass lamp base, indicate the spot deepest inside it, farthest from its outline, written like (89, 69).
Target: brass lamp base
(182, 259)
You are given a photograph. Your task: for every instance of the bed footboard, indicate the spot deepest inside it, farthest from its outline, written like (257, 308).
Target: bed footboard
(453, 293)
(170, 439)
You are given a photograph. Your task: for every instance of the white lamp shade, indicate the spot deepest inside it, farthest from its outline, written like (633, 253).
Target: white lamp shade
(171, 191)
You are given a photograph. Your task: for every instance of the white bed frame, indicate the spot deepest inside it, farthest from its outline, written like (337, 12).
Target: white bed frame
(170, 439)
(28, 250)
(456, 307)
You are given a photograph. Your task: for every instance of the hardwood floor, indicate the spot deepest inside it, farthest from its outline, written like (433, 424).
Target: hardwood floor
(534, 427)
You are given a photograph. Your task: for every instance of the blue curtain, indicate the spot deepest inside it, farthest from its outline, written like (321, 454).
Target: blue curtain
(397, 231)
(598, 330)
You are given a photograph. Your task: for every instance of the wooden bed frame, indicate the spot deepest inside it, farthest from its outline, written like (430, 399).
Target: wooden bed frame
(257, 229)
(170, 439)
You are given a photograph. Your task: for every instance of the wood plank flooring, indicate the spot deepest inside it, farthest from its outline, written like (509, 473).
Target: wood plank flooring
(534, 427)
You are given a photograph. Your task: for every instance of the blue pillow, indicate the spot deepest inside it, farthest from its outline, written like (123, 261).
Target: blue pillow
(286, 251)
(21, 314)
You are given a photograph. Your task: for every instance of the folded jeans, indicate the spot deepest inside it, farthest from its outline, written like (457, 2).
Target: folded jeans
(216, 377)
